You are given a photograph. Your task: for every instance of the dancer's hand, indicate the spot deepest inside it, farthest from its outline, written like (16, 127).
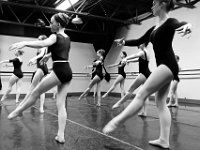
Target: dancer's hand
(119, 42)
(31, 62)
(185, 29)
(17, 46)
(124, 60)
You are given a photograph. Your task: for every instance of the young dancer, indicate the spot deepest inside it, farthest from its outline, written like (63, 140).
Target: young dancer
(173, 90)
(16, 76)
(144, 73)
(58, 44)
(121, 76)
(161, 36)
(98, 76)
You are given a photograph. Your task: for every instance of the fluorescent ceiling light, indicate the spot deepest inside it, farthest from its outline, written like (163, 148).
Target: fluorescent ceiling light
(66, 4)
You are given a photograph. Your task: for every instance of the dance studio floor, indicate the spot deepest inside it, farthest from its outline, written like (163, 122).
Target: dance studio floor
(35, 131)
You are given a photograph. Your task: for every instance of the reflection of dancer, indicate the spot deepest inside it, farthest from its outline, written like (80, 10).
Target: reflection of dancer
(144, 73)
(41, 71)
(161, 36)
(16, 76)
(58, 44)
(173, 91)
(121, 76)
(98, 64)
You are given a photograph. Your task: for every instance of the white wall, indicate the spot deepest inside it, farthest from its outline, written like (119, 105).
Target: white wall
(81, 54)
(186, 48)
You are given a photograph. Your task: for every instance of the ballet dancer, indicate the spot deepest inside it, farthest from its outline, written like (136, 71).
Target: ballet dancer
(16, 77)
(144, 73)
(121, 76)
(58, 44)
(161, 36)
(98, 76)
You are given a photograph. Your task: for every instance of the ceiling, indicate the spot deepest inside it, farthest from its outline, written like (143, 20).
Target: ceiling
(101, 18)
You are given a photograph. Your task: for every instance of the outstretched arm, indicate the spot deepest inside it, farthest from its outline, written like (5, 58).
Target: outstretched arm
(4, 61)
(34, 44)
(133, 56)
(113, 65)
(89, 67)
(135, 42)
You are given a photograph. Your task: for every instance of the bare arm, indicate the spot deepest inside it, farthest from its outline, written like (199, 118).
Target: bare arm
(35, 44)
(89, 67)
(133, 56)
(4, 61)
(113, 65)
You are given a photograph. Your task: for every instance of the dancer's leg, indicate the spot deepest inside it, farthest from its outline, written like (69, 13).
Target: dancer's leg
(143, 111)
(18, 89)
(175, 94)
(36, 79)
(98, 88)
(42, 99)
(161, 77)
(140, 79)
(122, 88)
(117, 80)
(46, 84)
(91, 84)
(164, 116)
(62, 114)
(11, 82)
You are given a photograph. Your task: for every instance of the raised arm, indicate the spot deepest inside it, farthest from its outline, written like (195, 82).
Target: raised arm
(35, 44)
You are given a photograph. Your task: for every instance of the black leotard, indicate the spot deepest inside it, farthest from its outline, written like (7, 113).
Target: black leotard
(121, 69)
(93, 70)
(17, 67)
(60, 52)
(99, 69)
(144, 66)
(42, 66)
(161, 38)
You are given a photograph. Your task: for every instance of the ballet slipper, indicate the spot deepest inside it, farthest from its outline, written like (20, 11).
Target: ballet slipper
(98, 105)
(116, 105)
(104, 96)
(14, 114)
(159, 143)
(110, 127)
(60, 141)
